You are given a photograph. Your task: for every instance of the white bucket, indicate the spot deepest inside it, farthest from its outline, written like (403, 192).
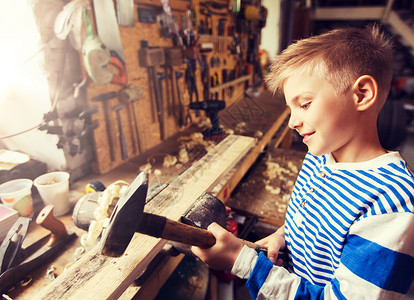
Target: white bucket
(53, 187)
(17, 194)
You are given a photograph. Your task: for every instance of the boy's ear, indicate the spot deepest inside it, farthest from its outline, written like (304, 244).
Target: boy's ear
(365, 92)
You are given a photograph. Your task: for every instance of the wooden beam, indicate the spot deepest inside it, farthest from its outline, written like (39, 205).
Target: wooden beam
(232, 83)
(350, 13)
(227, 184)
(401, 28)
(95, 276)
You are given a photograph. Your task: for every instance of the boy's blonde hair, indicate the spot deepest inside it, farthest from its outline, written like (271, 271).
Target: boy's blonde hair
(340, 56)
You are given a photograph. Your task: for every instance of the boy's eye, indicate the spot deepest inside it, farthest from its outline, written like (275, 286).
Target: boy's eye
(305, 105)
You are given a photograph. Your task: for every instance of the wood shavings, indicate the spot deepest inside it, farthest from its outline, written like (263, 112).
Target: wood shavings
(258, 134)
(205, 123)
(292, 167)
(193, 147)
(273, 190)
(240, 128)
(183, 156)
(267, 189)
(274, 169)
(209, 146)
(281, 208)
(106, 200)
(229, 131)
(197, 136)
(146, 168)
(286, 198)
(169, 161)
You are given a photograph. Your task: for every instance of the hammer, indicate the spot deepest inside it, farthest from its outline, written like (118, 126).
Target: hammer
(129, 217)
(104, 98)
(124, 150)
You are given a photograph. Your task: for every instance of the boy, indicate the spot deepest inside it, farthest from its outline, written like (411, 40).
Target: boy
(349, 227)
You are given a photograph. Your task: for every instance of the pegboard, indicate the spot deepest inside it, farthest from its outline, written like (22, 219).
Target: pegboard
(140, 125)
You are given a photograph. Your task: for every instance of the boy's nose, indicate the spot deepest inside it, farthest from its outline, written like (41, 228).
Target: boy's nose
(294, 122)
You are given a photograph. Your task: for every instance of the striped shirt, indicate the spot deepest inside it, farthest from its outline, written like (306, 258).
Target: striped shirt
(332, 213)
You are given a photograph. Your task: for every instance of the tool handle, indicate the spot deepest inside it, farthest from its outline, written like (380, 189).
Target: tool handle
(159, 226)
(121, 77)
(123, 146)
(187, 234)
(48, 221)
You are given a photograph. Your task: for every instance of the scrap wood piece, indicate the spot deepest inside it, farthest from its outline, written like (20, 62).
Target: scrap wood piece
(95, 276)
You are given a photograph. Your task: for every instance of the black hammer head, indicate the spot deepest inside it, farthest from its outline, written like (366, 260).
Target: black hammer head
(125, 218)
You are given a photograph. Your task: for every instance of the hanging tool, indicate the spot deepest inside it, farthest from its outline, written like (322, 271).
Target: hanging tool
(85, 135)
(190, 78)
(151, 58)
(125, 12)
(215, 81)
(96, 56)
(184, 118)
(129, 96)
(108, 31)
(211, 107)
(17, 262)
(147, 15)
(124, 150)
(168, 25)
(131, 123)
(88, 127)
(129, 217)
(161, 77)
(205, 77)
(173, 58)
(190, 54)
(104, 98)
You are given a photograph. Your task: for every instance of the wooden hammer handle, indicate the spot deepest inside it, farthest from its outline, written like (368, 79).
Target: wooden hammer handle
(186, 234)
(48, 221)
(159, 226)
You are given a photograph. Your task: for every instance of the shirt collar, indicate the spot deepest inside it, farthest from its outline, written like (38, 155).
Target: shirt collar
(380, 161)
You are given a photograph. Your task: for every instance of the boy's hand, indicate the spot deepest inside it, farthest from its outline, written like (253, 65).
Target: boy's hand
(274, 243)
(223, 254)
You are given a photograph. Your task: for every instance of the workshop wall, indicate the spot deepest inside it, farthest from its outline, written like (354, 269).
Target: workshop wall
(226, 44)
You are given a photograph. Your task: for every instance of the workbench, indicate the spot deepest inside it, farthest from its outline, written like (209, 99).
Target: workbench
(257, 122)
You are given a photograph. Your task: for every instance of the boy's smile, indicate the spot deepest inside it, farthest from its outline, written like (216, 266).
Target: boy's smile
(327, 122)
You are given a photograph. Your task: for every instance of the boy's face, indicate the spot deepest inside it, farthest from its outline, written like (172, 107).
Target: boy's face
(326, 121)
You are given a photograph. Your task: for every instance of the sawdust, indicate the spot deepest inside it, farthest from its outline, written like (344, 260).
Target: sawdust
(266, 190)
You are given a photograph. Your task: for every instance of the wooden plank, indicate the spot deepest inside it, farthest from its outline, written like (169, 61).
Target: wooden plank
(268, 114)
(232, 83)
(401, 28)
(228, 183)
(95, 276)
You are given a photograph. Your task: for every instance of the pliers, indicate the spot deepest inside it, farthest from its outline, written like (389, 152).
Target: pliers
(17, 262)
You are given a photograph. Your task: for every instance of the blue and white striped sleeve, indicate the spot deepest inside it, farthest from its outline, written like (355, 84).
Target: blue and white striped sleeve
(377, 262)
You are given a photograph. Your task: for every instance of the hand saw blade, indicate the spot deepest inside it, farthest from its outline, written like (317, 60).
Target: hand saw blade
(107, 26)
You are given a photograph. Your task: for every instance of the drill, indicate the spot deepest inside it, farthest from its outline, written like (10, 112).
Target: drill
(211, 107)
